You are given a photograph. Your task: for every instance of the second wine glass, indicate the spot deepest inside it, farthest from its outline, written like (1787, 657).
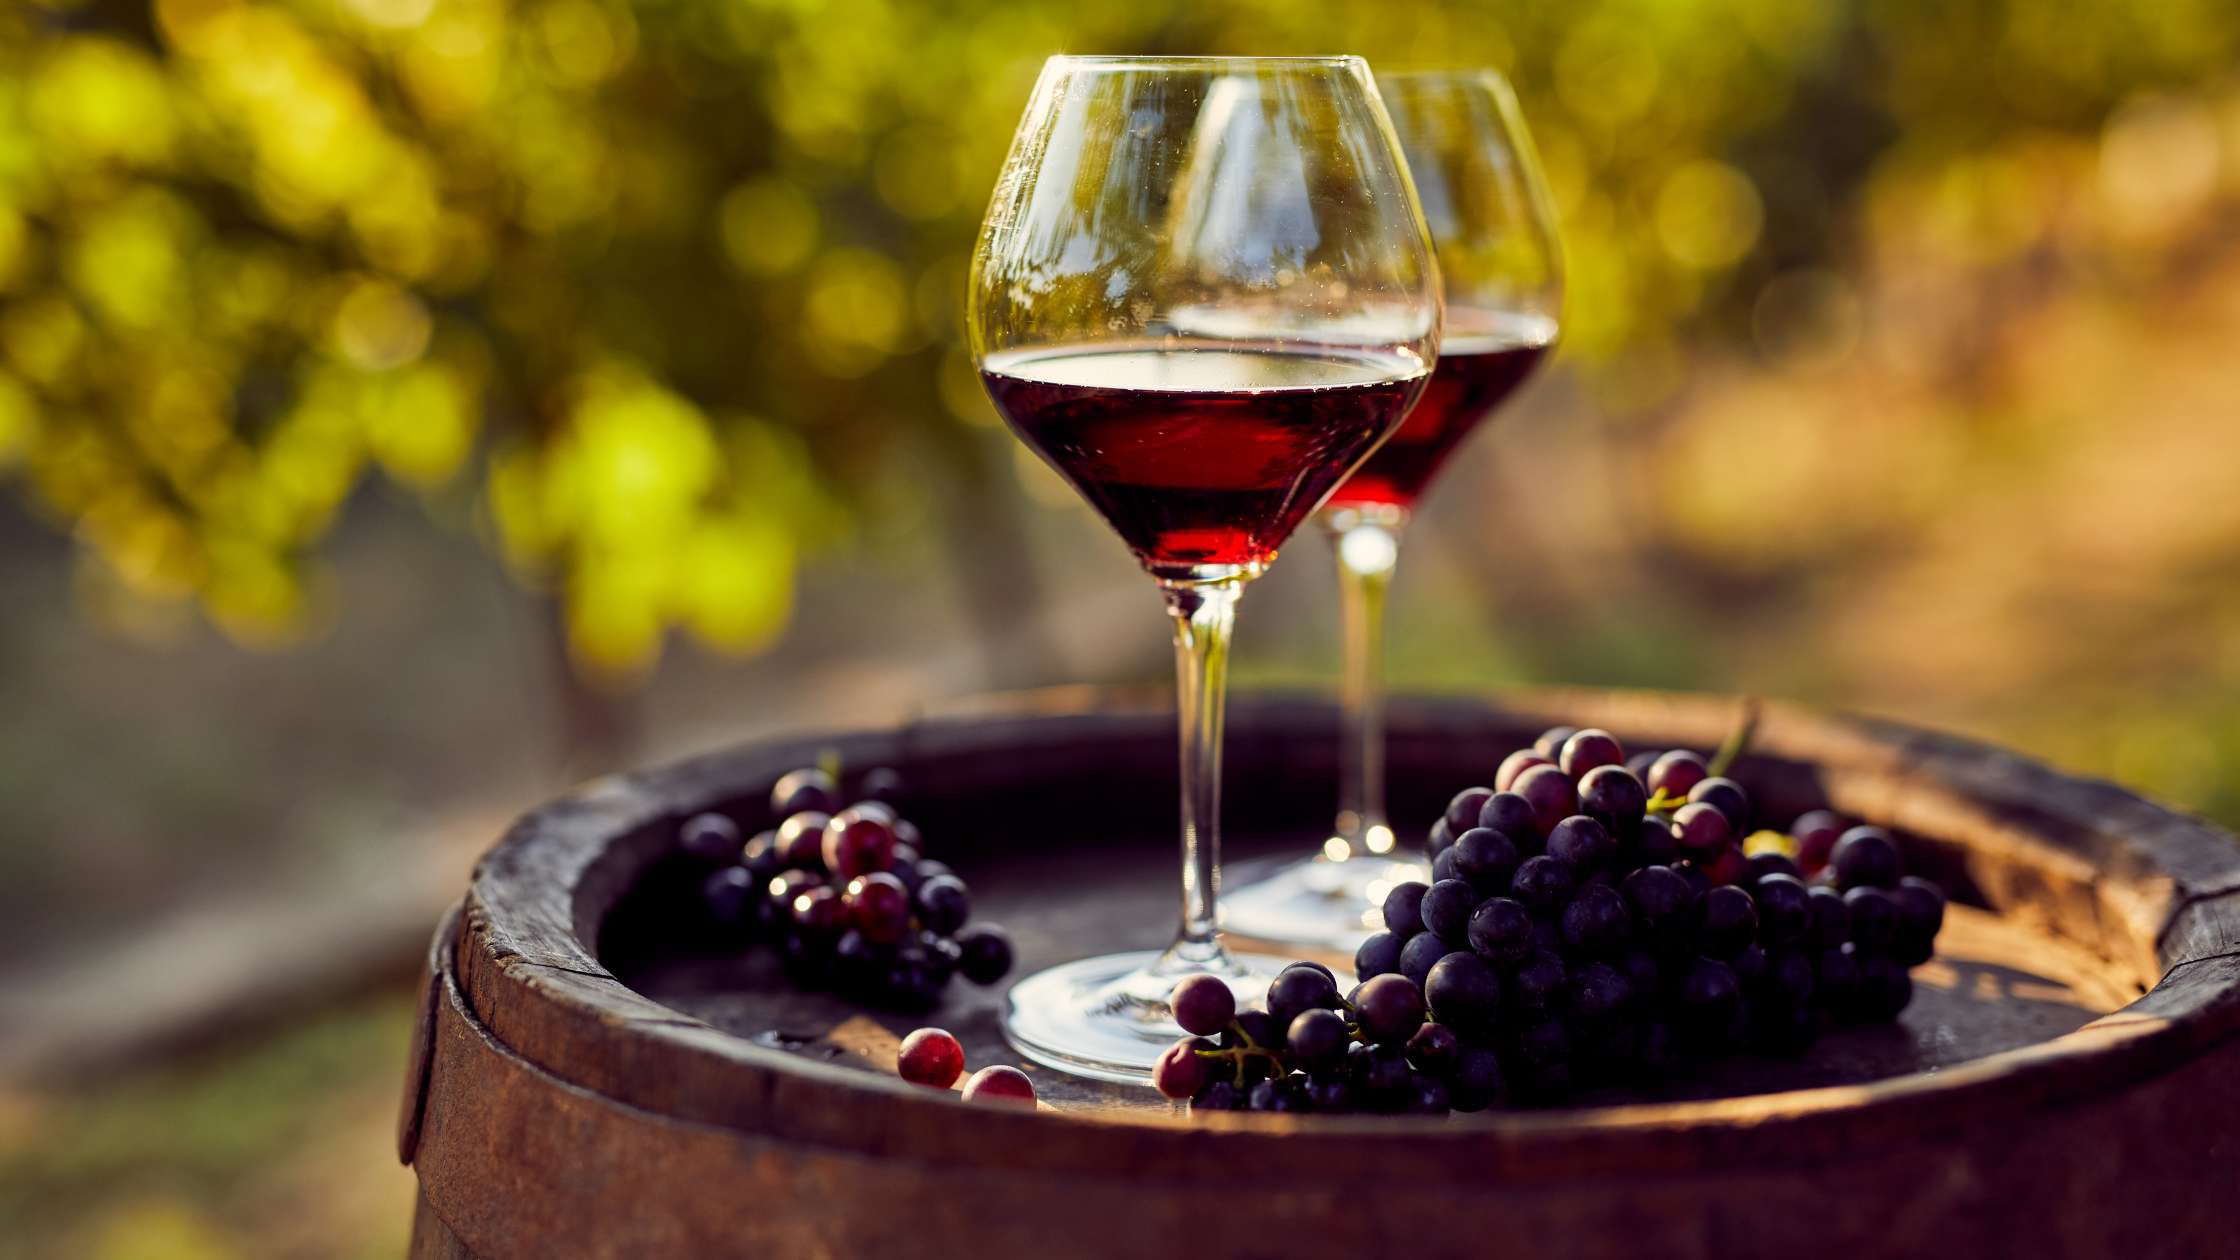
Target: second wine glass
(1482, 194)
(1203, 294)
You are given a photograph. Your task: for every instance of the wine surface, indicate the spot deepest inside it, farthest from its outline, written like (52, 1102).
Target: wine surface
(1483, 359)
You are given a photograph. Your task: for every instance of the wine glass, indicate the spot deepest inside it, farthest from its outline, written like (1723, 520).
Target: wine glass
(1482, 195)
(1203, 294)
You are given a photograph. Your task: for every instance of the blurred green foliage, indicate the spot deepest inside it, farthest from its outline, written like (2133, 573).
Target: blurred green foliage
(660, 287)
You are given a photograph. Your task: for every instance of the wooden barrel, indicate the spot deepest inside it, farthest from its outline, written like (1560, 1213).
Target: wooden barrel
(2067, 1082)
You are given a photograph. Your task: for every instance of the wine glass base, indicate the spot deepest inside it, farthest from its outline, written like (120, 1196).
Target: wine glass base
(1313, 902)
(1107, 1017)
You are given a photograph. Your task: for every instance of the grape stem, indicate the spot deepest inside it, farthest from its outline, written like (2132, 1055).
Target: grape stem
(1738, 742)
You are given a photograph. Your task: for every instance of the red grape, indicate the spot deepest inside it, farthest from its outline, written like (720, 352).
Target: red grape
(1816, 834)
(1514, 765)
(1179, 1073)
(879, 906)
(857, 843)
(1588, 749)
(1203, 1005)
(1551, 794)
(930, 1056)
(801, 840)
(1000, 1084)
(1677, 773)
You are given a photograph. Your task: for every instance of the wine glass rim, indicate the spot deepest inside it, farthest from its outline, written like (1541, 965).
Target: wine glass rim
(1107, 61)
(1436, 74)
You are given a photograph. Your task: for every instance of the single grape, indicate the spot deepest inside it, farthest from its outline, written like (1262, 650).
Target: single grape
(1596, 923)
(1379, 1072)
(1874, 917)
(1831, 919)
(1698, 882)
(1391, 1009)
(1728, 921)
(1759, 865)
(1588, 750)
(1422, 952)
(728, 896)
(1218, 1095)
(928, 868)
(1701, 828)
(1427, 1096)
(1550, 793)
(1749, 967)
(879, 907)
(1920, 906)
(1443, 866)
(1439, 840)
(1726, 866)
(1317, 1039)
(906, 832)
(1709, 994)
(1512, 816)
(1784, 908)
(1265, 1096)
(1475, 1082)
(1403, 908)
(1379, 955)
(804, 789)
(1500, 930)
(1544, 883)
(1203, 1005)
(1315, 966)
(1835, 978)
(987, 953)
(943, 904)
(1464, 993)
(998, 1083)
(1330, 1096)
(801, 840)
(1551, 741)
(882, 784)
(1677, 772)
(1657, 893)
(1581, 843)
(1544, 1042)
(1730, 798)
(1642, 971)
(1613, 797)
(1884, 988)
(1299, 988)
(941, 952)
(930, 1056)
(1653, 842)
(760, 855)
(855, 843)
(711, 838)
(1514, 765)
(1639, 762)
(819, 912)
(1598, 994)
(1866, 857)
(1433, 1049)
(1537, 980)
(1816, 833)
(1180, 1073)
(1462, 811)
(1789, 977)
(1446, 908)
(1486, 859)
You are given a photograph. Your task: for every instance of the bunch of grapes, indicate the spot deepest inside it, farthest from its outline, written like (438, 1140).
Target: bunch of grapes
(846, 896)
(1592, 919)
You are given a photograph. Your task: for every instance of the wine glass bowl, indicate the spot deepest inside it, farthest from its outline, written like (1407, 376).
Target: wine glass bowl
(1203, 294)
(1487, 209)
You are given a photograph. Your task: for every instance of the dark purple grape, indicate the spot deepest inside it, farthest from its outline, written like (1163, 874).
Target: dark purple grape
(907, 833)
(1831, 919)
(1550, 793)
(1581, 843)
(1544, 1042)
(1598, 994)
(1657, 893)
(1379, 1071)
(1443, 866)
(728, 896)
(1727, 922)
(1676, 773)
(1866, 857)
(1378, 956)
(1728, 796)
(1816, 834)
(1265, 1096)
(1835, 978)
(987, 953)
(804, 789)
(1439, 841)
(1638, 763)
(1180, 1073)
(1710, 994)
(1547, 932)
(1920, 906)
(1433, 1049)
(1788, 977)
(943, 904)
(1464, 993)
(932, 1057)
(1544, 883)
(1613, 797)
(1874, 917)
(1500, 930)
(1486, 859)
(1318, 1039)
(1403, 908)
(1427, 1096)
(1474, 1083)
(1514, 765)
(711, 838)
(928, 868)
(1421, 953)
(1315, 966)
(760, 855)
(1551, 741)
(1763, 864)
(1596, 923)
(1642, 971)
(1391, 1009)
(1701, 828)
(1588, 749)
(1537, 980)
(1462, 811)
(1330, 1096)
(1884, 988)
(801, 840)
(1256, 1028)
(1446, 908)
(1511, 815)
(1653, 843)
(856, 843)
(1203, 1005)
(1218, 1095)
(1749, 966)
(1698, 882)
(882, 784)
(1784, 908)
(1299, 988)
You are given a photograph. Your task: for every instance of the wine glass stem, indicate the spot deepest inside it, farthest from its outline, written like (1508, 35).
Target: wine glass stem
(1204, 617)
(1368, 551)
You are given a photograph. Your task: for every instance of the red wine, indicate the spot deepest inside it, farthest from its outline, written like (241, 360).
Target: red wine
(1482, 361)
(1206, 455)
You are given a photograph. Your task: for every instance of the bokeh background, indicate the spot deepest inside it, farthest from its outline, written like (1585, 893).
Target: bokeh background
(410, 406)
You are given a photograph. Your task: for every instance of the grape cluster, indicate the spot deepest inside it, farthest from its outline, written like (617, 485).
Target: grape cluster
(846, 896)
(1591, 919)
